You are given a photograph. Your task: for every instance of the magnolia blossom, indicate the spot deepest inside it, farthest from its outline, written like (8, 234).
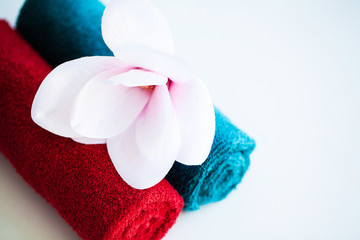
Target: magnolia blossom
(146, 104)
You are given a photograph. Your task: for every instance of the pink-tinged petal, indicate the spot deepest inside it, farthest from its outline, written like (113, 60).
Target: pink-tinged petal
(138, 77)
(54, 99)
(156, 130)
(196, 119)
(160, 62)
(103, 111)
(135, 22)
(136, 169)
(89, 141)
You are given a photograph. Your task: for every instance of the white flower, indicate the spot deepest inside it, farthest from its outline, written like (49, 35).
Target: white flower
(146, 104)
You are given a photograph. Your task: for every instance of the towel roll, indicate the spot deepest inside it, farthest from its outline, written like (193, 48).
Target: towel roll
(67, 29)
(78, 180)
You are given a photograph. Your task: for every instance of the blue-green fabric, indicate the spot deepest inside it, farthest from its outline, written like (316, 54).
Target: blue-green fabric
(61, 30)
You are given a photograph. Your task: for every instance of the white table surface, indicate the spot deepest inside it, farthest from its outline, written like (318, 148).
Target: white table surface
(288, 73)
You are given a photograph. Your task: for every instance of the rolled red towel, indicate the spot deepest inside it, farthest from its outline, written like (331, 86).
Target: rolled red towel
(78, 180)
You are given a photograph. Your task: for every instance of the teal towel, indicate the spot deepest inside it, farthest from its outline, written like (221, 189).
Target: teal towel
(61, 30)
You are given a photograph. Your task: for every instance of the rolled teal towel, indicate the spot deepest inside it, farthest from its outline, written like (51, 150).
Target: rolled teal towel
(62, 30)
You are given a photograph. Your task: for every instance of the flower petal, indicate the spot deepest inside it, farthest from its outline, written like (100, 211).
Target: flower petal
(135, 22)
(136, 169)
(196, 120)
(138, 77)
(85, 140)
(54, 99)
(151, 59)
(103, 111)
(156, 130)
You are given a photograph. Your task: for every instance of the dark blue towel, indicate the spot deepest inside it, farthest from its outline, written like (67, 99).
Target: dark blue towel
(61, 30)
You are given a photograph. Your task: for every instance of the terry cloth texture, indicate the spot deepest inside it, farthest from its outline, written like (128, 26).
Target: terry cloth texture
(67, 29)
(78, 180)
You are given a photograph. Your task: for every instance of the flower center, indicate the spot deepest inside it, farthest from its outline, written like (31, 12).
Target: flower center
(151, 87)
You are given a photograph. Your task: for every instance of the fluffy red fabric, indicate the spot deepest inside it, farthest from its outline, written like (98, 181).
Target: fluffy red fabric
(78, 180)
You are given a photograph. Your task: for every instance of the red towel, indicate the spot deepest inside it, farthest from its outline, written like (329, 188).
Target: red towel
(78, 180)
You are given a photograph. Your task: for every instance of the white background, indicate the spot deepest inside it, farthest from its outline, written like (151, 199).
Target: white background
(286, 72)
